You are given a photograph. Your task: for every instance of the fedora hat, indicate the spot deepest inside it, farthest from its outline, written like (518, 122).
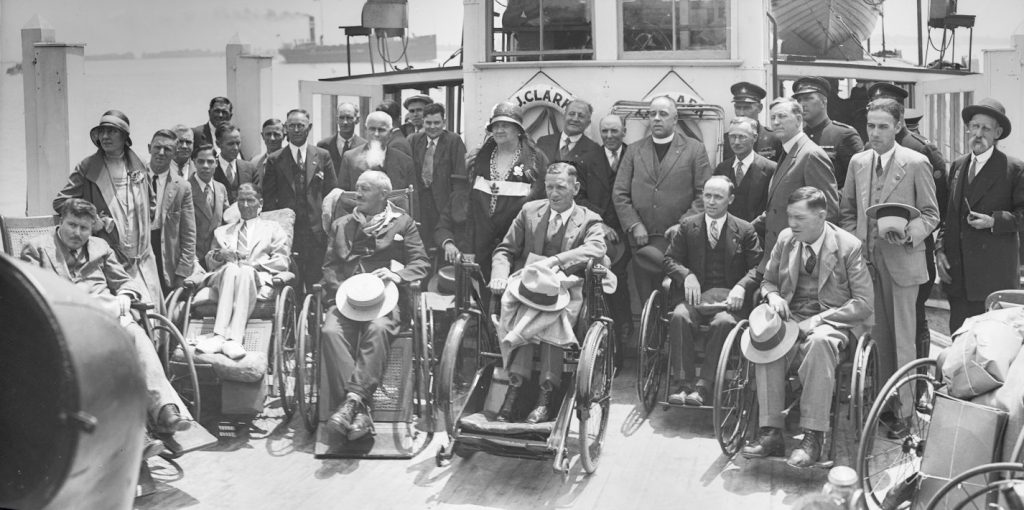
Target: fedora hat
(892, 217)
(364, 297)
(506, 111)
(992, 108)
(539, 288)
(443, 281)
(651, 256)
(615, 251)
(769, 337)
(115, 119)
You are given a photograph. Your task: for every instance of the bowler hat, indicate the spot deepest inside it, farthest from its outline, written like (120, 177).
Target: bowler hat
(506, 111)
(892, 217)
(651, 256)
(992, 108)
(418, 97)
(768, 337)
(880, 90)
(364, 297)
(538, 287)
(746, 92)
(810, 84)
(115, 119)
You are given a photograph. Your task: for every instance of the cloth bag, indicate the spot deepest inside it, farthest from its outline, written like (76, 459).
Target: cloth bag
(979, 359)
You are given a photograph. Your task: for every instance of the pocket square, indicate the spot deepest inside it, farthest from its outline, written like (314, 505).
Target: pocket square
(399, 238)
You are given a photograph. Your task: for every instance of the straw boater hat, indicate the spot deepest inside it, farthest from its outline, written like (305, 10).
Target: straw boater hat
(769, 337)
(992, 108)
(651, 255)
(115, 119)
(417, 98)
(538, 287)
(506, 111)
(892, 217)
(364, 297)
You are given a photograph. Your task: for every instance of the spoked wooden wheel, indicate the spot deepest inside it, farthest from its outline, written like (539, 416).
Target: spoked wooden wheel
(651, 359)
(989, 487)
(459, 364)
(735, 401)
(884, 457)
(179, 366)
(594, 390)
(285, 350)
(307, 363)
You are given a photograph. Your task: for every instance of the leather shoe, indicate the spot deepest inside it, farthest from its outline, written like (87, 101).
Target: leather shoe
(509, 404)
(903, 491)
(152, 447)
(898, 428)
(697, 397)
(809, 451)
(924, 403)
(541, 413)
(169, 421)
(342, 419)
(769, 443)
(362, 425)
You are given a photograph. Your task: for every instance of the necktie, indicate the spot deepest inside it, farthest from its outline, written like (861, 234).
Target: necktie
(243, 238)
(300, 171)
(973, 171)
(154, 199)
(230, 171)
(345, 148)
(428, 165)
(75, 262)
(209, 197)
(614, 161)
(713, 233)
(878, 167)
(811, 259)
(298, 159)
(554, 226)
(739, 171)
(563, 152)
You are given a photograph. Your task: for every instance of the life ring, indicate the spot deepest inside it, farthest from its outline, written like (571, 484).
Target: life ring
(551, 99)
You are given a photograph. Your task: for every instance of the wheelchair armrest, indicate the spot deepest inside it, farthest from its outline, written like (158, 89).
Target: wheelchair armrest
(141, 307)
(666, 285)
(283, 279)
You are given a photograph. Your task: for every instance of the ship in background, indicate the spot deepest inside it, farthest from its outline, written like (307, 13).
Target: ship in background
(391, 45)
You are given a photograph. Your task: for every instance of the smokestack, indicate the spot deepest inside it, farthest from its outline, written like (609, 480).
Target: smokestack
(312, 28)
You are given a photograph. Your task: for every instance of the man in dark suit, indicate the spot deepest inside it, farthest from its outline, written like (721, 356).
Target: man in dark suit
(220, 112)
(272, 133)
(372, 239)
(978, 248)
(173, 225)
(572, 144)
(659, 181)
(839, 140)
(713, 257)
(232, 170)
(376, 154)
(415, 105)
(439, 159)
(749, 171)
(298, 177)
(746, 102)
(803, 164)
(346, 139)
(612, 133)
(209, 199)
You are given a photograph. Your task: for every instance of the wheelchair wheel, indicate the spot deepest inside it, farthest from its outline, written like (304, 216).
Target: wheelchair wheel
(424, 362)
(651, 359)
(882, 461)
(865, 381)
(307, 364)
(181, 374)
(735, 401)
(459, 364)
(997, 485)
(284, 350)
(594, 392)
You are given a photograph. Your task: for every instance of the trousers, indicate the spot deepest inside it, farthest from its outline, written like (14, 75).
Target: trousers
(683, 328)
(550, 363)
(237, 289)
(158, 388)
(356, 353)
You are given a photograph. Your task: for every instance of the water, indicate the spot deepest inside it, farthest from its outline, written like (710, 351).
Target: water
(154, 93)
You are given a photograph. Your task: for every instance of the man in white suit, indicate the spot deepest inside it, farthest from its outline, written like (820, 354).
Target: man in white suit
(243, 260)
(887, 178)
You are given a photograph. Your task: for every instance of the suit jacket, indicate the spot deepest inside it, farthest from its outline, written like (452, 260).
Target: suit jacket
(330, 144)
(908, 181)
(398, 141)
(984, 261)
(245, 171)
(201, 135)
(350, 252)
(658, 194)
(603, 194)
(279, 189)
(102, 276)
(583, 241)
(449, 166)
(207, 220)
(751, 193)
(178, 233)
(839, 141)
(595, 177)
(687, 253)
(805, 165)
(845, 291)
(267, 250)
(397, 165)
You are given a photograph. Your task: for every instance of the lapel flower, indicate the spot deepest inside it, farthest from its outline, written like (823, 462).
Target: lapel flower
(319, 174)
(517, 170)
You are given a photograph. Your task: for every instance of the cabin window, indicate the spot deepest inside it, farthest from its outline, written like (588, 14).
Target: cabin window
(697, 29)
(531, 30)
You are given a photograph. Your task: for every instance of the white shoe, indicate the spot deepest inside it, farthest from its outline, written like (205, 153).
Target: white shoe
(209, 343)
(233, 349)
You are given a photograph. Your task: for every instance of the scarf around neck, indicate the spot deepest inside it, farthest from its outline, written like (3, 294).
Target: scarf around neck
(376, 224)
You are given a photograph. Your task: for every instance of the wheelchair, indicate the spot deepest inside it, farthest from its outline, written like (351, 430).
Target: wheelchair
(468, 386)
(237, 390)
(884, 462)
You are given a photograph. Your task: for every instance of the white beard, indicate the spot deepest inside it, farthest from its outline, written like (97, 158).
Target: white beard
(374, 155)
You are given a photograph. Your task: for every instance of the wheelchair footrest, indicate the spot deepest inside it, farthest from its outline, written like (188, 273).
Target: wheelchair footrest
(485, 424)
(391, 440)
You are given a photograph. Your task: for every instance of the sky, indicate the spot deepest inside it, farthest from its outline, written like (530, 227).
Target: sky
(154, 25)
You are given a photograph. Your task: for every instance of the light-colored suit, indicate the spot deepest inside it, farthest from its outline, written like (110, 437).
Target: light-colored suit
(897, 270)
(207, 220)
(846, 299)
(237, 284)
(177, 231)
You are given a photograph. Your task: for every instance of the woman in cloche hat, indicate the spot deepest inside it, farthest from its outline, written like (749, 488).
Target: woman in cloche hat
(114, 179)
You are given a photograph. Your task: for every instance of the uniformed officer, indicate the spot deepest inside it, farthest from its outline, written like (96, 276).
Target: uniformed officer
(746, 102)
(913, 118)
(839, 140)
(914, 141)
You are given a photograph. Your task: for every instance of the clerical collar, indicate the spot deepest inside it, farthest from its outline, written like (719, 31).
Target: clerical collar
(662, 141)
